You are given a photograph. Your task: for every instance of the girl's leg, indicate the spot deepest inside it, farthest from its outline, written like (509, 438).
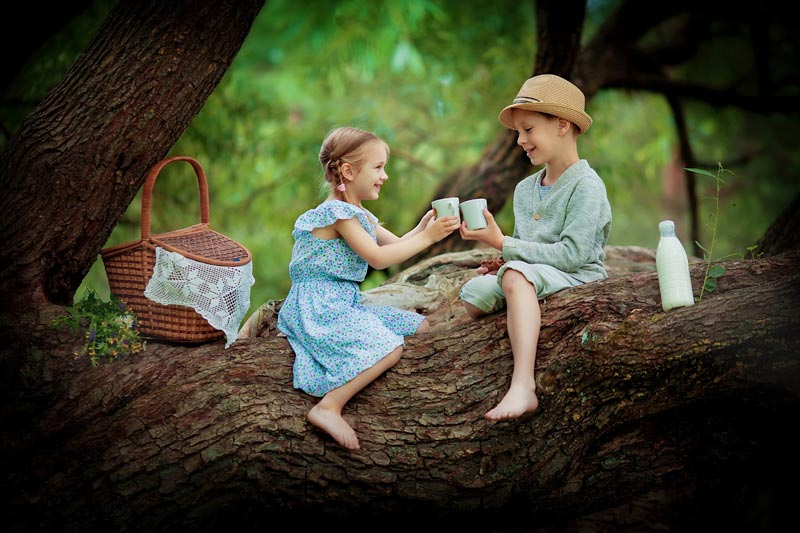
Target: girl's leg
(327, 414)
(424, 327)
(524, 321)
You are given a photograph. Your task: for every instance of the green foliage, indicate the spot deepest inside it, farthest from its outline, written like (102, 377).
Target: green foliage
(111, 330)
(430, 77)
(630, 144)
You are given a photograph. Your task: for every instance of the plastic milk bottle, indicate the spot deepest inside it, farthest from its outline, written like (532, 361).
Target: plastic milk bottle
(672, 265)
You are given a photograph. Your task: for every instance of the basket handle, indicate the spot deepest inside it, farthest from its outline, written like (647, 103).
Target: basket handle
(150, 181)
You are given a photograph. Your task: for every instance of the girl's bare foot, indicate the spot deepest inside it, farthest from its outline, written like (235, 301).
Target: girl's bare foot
(516, 402)
(332, 423)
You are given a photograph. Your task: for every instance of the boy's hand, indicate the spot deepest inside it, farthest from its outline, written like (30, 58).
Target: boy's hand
(491, 266)
(491, 234)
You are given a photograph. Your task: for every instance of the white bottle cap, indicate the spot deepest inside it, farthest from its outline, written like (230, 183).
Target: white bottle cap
(666, 226)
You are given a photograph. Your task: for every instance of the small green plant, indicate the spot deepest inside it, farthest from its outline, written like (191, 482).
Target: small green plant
(111, 330)
(713, 272)
(752, 251)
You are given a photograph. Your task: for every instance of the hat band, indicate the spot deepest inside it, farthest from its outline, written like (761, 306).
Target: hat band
(525, 100)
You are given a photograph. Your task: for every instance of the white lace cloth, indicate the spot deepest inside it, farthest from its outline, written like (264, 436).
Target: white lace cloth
(220, 294)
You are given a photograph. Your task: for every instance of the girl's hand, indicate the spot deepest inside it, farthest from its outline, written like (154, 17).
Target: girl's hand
(426, 219)
(440, 228)
(422, 225)
(491, 234)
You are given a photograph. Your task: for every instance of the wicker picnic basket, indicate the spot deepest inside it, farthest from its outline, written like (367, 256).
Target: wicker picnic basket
(129, 266)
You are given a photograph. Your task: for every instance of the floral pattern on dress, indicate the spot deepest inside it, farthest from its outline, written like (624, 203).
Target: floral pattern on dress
(334, 336)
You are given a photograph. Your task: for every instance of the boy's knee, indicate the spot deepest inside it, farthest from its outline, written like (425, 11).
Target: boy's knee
(472, 311)
(481, 295)
(513, 279)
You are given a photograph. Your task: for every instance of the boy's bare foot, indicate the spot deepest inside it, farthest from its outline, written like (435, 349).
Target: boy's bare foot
(516, 402)
(332, 423)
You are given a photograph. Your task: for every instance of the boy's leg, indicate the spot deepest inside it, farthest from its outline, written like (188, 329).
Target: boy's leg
(482, 295)
(473, 311)
(523, 322)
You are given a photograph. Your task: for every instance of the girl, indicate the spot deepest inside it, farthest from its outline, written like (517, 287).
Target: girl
(341, 345)
(562, 220)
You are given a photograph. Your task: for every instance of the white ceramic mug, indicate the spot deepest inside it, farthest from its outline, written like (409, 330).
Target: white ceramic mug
(446, 207)
(473, 213)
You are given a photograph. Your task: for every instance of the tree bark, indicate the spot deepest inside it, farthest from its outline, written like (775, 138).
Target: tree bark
(81, 156)
(783, 234)
(636, 404)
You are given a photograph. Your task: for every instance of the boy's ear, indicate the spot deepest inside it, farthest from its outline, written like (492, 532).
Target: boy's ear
(563, 125)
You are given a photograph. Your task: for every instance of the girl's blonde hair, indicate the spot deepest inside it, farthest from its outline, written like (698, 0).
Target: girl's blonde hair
(345, 145)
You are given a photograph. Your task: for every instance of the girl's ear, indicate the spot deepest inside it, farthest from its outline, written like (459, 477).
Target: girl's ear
(347, 170)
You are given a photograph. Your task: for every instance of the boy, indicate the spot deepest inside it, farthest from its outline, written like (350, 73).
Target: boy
(562, 219)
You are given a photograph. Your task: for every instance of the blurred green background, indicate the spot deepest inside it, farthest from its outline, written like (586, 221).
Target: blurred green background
(429, 77)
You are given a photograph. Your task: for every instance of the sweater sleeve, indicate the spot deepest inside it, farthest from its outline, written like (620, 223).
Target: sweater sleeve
(585, 214)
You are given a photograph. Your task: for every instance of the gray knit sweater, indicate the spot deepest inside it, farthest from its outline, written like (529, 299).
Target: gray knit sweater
(568, 229)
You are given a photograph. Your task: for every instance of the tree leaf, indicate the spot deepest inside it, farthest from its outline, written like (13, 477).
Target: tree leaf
(716, 271)
(701, 171)
(710, 284)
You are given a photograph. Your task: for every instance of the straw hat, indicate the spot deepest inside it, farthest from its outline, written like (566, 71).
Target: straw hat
(548, 93)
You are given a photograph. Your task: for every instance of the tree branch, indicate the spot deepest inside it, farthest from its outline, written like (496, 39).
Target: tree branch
(670, 400)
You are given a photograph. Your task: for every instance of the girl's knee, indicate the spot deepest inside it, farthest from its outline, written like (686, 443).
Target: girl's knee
(425, 327)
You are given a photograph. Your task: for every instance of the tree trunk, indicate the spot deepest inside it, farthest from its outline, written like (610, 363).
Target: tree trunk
(783, 234)
(683, 411)
(79, 159)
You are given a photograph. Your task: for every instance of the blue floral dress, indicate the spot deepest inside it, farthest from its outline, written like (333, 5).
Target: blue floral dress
(334, 336)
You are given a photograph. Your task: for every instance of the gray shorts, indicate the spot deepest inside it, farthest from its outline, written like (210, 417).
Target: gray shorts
(486, 292)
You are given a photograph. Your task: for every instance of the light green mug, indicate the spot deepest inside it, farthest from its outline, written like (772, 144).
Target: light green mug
(473, 213)
(446, 207)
